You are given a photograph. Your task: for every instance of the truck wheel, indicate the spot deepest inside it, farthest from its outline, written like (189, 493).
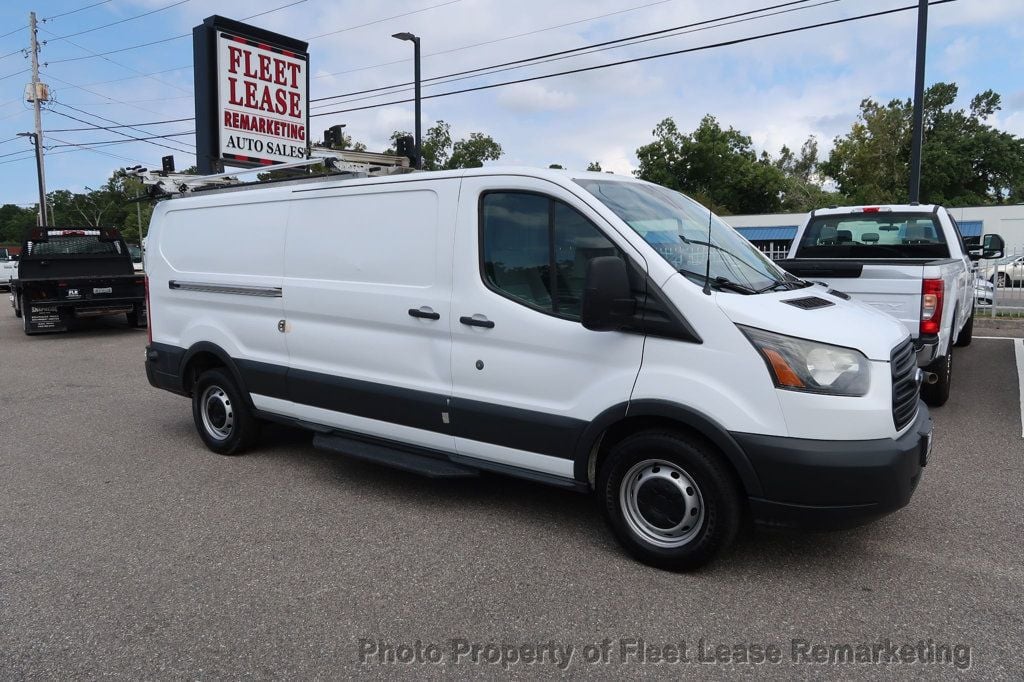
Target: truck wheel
(222, 416)
(669, 498)
(17, 308)
(936, 395)
(136, 318)
(966, 334)
(26, 323)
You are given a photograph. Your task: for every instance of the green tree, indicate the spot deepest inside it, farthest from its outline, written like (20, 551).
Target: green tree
(716, 166)
(965, 160)
(594, 166)
(557, 166)
(802, 191)
(441, 153)
(14, 222)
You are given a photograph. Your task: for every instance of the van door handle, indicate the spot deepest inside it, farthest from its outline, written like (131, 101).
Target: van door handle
(424, 313)
(477, 321)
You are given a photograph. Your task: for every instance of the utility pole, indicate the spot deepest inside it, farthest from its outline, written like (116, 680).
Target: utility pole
(37, 92)
(917, 136)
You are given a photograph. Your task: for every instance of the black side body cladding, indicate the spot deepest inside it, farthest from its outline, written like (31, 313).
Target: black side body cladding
(789, 481)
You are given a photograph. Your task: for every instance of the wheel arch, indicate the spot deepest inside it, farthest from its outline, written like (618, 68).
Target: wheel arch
(203, 356)
(624, 419)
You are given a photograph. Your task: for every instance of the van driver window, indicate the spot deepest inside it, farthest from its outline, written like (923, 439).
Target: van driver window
(536, 249)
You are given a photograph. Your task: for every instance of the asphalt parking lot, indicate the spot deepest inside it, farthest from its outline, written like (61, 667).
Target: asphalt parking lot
(129, 550)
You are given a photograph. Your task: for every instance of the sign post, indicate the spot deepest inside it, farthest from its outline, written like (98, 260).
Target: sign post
(252, 96)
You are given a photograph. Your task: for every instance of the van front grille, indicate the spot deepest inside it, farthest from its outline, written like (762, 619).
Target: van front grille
(905, 388)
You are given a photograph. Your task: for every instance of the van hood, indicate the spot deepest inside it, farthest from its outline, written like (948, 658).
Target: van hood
(815, 314)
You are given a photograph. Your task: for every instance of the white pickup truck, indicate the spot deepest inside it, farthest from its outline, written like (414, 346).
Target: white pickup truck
(907, 260)
(8, 268)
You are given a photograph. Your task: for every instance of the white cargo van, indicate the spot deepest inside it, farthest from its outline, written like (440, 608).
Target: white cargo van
(578, 329)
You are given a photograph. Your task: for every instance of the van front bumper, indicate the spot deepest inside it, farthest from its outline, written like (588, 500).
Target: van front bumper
(821, 484)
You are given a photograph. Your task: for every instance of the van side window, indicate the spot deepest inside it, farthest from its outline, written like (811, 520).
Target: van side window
(535, 249)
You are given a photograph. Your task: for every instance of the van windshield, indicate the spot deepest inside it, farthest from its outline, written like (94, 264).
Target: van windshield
(682, 232)
(873, 235)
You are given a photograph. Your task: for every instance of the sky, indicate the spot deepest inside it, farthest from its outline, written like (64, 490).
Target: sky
(778, 90)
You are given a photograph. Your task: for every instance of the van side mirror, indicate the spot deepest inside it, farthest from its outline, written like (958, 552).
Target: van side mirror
(992, 246)
(608, 302)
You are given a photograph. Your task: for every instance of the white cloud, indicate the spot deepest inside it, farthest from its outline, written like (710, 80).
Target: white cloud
(535, 97)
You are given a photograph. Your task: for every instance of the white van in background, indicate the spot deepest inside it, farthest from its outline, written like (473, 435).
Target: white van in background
(578, 329)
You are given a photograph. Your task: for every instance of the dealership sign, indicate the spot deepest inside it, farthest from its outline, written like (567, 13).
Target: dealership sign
(252, 101)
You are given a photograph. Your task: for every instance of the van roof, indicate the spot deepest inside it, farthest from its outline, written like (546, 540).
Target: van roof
(559, 176)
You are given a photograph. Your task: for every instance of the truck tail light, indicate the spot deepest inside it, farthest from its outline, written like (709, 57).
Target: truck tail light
(931, 305)
(149, 314)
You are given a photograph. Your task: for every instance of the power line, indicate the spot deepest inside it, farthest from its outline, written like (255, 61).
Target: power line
(20, 151)
(123, 66)
(399, 61)
(588, 49)
(499, 40)
(95, 151)
(167, 40)
(130, 125)
(109, 120)
(20, 28)
(129, 101)
(725, 43)
(31, 155)
(50, 76)
(380, 21)
(104, 143)
(122, 21)
(157, 144)
(12, 53)
(74, 11)
(12, 75)
(129, 78)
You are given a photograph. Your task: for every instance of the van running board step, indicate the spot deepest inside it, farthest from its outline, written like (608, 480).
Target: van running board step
(430, 467)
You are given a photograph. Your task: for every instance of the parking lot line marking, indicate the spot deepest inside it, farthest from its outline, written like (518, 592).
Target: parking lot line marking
(998, 338)
(1018, 350)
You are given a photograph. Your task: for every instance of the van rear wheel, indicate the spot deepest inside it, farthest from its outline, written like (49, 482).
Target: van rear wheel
(223, 418)
(670, 499)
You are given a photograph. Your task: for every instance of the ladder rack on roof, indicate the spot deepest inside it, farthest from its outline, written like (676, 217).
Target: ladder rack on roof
(163, 185)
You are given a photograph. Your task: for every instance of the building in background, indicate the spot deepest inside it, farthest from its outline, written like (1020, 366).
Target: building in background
(773, 232)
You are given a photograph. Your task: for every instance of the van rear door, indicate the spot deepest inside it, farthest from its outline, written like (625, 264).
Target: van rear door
(528, 377)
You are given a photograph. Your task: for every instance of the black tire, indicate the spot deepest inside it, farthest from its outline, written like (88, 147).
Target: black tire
(136, 318)
(222, 416)
(936, 395)
(17, 307)
(1001, 280)
(686, 479)
(966, 334)
(26, 325)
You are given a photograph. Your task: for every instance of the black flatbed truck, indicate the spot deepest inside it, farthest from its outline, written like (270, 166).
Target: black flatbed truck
(65, 274)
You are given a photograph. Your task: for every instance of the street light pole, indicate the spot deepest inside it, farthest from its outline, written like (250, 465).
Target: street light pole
(39, 176)
(917, 136)
(416, 68)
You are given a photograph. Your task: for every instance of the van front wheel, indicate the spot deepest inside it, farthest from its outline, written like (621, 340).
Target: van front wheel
(222, 416)
(670, 499)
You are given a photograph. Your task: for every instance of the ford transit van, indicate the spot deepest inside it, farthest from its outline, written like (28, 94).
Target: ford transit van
(583, 330)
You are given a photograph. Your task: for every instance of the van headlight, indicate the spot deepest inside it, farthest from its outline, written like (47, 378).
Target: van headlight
(811, 366)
